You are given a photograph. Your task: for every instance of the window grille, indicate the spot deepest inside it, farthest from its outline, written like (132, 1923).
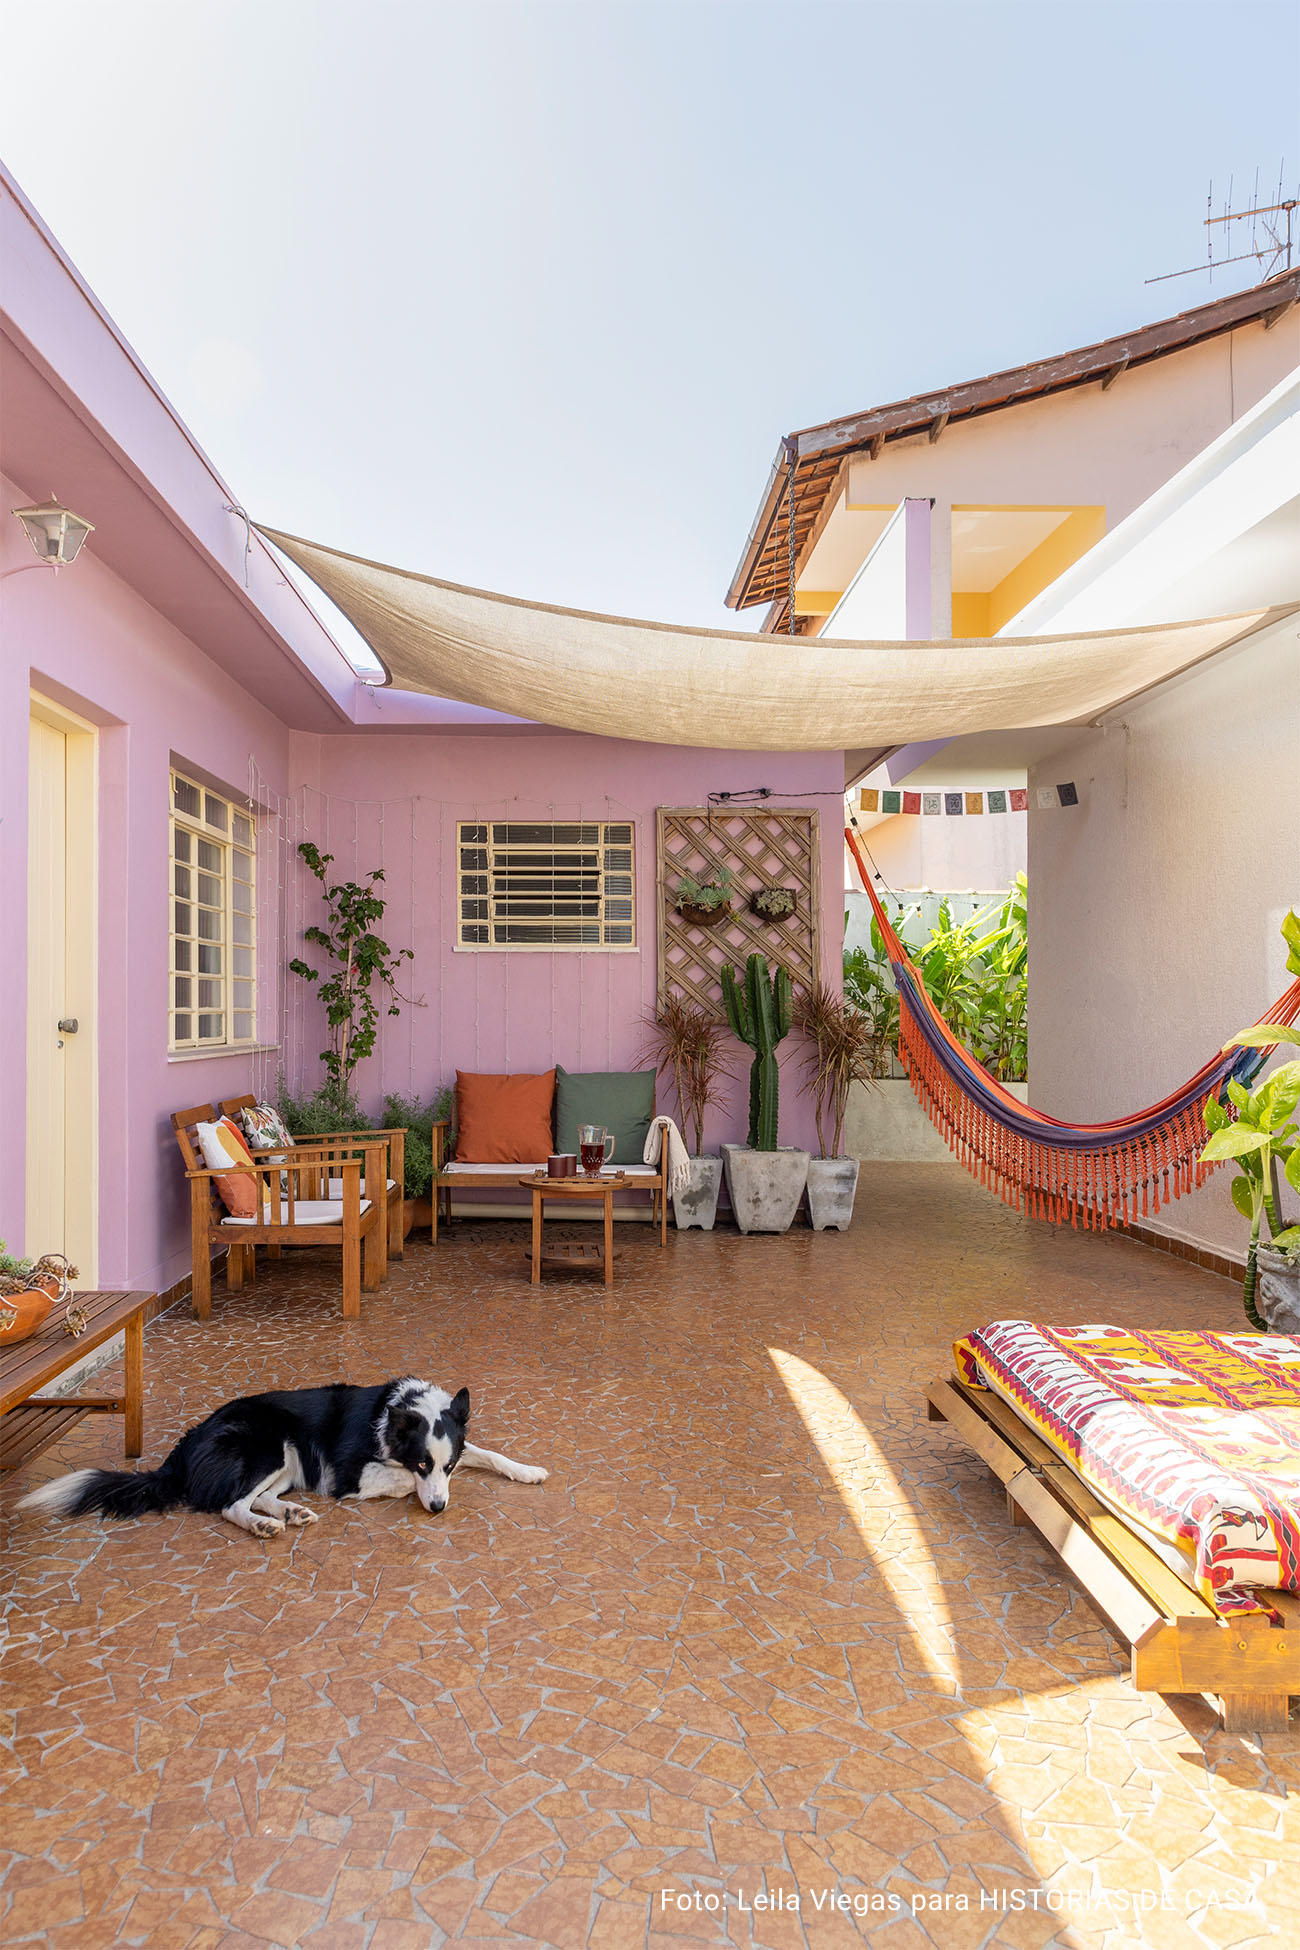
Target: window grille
(213, 920)
(524, 885)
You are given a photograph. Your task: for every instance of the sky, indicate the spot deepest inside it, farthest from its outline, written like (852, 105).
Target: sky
(524, 293)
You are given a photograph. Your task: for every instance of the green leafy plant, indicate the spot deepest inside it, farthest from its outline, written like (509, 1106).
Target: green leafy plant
(418, 1119)
(1261, 1139)
(686, 1043)
(705, 894)
(843, 1051)
(760, 1010)
(320, 1113)
(365, 968)
(974, 971)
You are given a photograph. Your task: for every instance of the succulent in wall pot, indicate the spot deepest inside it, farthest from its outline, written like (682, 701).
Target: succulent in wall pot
(703, 903)
(775, 903)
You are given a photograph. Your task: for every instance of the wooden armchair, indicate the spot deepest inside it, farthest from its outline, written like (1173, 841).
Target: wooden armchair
(395, 1142)
(294, 1210)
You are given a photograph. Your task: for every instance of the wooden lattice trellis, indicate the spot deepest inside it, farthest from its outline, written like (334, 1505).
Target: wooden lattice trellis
(764, 847)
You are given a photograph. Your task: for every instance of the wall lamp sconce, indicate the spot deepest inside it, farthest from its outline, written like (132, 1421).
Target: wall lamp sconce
(55, 533)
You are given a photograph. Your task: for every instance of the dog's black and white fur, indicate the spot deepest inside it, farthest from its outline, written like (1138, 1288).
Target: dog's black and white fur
(388, 1440)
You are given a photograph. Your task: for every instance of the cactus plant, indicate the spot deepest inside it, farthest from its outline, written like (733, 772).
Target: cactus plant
(759, 1010)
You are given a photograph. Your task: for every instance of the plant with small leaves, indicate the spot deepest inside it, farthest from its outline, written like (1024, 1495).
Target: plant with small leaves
(418, 1120)
(1262, 1138)
(760, 1009)
(364, 977)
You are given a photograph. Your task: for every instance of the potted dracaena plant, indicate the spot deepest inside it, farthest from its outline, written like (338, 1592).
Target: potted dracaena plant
(686, 1044)
(1263, 1141)
(765, 1180)
(843, 1049)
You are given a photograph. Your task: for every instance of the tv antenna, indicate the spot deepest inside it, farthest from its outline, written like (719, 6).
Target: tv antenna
(1274, 234)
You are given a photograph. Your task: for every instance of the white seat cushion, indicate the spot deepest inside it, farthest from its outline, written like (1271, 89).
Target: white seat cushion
(457, 1168)
(306, 1212)
(336, 1186)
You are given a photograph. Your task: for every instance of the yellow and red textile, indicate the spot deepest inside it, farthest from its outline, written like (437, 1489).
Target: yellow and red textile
(1195, 1436)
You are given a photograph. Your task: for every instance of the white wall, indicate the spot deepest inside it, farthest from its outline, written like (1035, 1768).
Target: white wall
(1156, 902)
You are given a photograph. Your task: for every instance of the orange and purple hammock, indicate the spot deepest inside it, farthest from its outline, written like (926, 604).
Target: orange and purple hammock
(1102, 1174)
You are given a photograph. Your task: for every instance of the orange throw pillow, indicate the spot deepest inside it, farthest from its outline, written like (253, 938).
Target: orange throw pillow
(504, 1120)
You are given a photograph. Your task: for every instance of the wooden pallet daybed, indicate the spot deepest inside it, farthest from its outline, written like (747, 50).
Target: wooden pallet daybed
(1179, 1643)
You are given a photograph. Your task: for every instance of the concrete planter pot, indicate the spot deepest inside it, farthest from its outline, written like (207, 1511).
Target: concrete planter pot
(832, 1187)
(765, 1186)
(1278, 1292)
(697, 1204)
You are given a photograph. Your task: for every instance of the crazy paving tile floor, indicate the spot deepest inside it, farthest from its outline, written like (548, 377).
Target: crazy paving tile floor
(765, 1633)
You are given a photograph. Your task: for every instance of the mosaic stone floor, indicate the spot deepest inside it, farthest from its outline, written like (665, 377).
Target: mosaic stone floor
(764, 1635)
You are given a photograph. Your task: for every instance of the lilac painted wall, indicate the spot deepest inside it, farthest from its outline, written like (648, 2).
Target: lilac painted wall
(87, 640)
(395, 801)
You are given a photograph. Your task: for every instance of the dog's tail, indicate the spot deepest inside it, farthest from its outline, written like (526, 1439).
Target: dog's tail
(109, 1492)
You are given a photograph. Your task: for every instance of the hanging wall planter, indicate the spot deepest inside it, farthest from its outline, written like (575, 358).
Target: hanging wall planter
(704, 903)
(775, 903)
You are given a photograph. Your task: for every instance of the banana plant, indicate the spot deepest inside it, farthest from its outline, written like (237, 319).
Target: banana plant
(1262, 1139)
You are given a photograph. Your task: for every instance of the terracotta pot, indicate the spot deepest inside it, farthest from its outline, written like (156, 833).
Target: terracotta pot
(703, 917)
(23, 1312)
(416, 1212)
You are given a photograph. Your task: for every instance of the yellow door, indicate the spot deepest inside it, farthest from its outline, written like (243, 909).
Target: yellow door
(60, 1214)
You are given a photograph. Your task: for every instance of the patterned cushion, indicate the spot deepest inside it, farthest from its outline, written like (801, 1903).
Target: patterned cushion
(264, 1128)
(221, 1144)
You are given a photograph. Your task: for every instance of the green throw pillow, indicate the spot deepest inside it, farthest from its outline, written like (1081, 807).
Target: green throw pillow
(622, 1100)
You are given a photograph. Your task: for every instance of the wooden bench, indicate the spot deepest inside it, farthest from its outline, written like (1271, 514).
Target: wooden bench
(30, 1421)
(395, 1141)
(295, 1209)
(456, 1177)
(1178, 1642)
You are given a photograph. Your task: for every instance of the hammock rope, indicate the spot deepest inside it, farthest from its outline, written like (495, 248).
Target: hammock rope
(1095, 1174)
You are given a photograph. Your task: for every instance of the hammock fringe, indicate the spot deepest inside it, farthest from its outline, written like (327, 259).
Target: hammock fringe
(1089, 1174)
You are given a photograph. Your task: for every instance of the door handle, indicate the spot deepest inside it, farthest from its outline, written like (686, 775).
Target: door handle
(68, 1026)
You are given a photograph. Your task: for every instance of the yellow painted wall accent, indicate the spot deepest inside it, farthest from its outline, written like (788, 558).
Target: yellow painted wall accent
(1082, 528)
(970, 613)
(815, 602)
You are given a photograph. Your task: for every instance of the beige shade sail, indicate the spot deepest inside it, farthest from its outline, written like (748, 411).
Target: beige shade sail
(619, 678)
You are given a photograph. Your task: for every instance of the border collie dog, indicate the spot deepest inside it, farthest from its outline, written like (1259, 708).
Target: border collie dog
(387, 1440)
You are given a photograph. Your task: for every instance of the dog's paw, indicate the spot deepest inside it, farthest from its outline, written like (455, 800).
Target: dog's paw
(266, 1526)
(526, 1473)
(297, 1515)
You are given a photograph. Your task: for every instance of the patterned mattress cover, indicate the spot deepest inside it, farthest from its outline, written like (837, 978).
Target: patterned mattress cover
(1195, 1437)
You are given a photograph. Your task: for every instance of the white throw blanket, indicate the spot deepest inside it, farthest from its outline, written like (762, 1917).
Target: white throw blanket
(663, 1132)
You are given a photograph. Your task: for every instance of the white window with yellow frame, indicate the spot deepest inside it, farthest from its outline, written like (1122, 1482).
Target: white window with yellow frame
(213, 919)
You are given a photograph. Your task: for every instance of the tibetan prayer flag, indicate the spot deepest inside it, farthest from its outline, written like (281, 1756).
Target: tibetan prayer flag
(891, 802)
(952, 802)
(974, 802)
(1019, 799)
(1046, 797)
(932, 802)
(869, 799)
(1067, 795)
(911, 802)
(997, 802)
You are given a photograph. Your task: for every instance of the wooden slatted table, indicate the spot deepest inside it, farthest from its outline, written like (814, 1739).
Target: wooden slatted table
(30, 1421)
(591, 1258)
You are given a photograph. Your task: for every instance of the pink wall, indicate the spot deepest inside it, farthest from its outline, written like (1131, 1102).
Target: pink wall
(88, 641)
(395, 801)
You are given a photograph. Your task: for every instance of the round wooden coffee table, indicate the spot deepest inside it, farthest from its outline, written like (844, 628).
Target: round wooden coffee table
(573, 1257)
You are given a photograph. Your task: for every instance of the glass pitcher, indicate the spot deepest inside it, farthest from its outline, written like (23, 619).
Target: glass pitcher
(595, 1148)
